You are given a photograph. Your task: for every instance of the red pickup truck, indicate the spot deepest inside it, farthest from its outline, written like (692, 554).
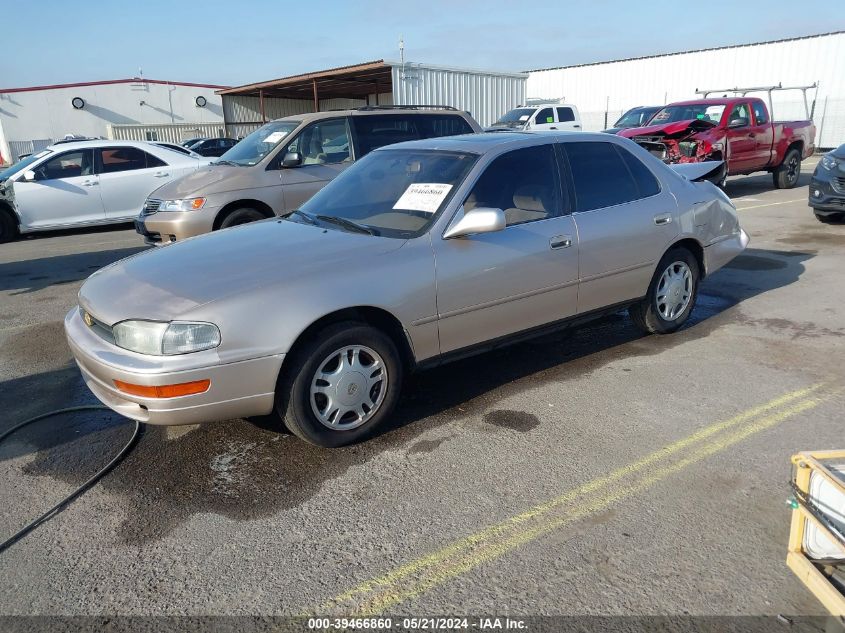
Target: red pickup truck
(738, 131)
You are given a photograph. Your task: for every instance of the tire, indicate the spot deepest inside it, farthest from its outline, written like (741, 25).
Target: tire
(650, 314)
(789, 171)
(242, 215)
(830, 218)
(8, 226)
(299, 405)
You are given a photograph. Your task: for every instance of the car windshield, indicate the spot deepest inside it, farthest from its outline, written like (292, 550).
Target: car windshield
(636, 117)
(707, 112)
(517, 116)
(257, 145)
(23, 164)
(395, 193)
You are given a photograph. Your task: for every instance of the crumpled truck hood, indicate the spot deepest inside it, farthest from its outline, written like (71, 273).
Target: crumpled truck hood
(675, 129)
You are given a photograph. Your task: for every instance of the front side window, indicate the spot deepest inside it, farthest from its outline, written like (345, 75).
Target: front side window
(67, 165)
(117, 159)
(545, 116)
(254, 147)
(393, 192)
(600, 176)
(565, 115)
(739, 116)
(323, 143)
(523, 183)
(760, 115)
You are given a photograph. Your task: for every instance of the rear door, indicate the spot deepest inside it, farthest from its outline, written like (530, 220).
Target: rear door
(326, 150)
(763, 135)
(624, 221)
(567, 119)
(66, 192)
(492, 285)
(127, 176)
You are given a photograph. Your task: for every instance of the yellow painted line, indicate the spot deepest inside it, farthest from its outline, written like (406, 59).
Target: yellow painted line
(770, 204)
(418, 576)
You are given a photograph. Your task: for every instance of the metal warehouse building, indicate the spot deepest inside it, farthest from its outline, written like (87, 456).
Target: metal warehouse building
(485, 94)
(141, 109)
(602, 91)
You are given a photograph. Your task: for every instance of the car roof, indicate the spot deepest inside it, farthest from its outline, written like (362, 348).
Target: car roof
(483, 142)
(307, 117)
(99, 142)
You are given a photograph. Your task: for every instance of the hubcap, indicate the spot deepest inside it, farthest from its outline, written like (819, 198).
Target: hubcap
(792, 168)
(674, 291)
(348, 387)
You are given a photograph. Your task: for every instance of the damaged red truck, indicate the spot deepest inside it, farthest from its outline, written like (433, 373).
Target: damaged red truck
(737, 130)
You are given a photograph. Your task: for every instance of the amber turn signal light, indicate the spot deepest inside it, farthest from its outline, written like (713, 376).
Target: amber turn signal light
(164, 391)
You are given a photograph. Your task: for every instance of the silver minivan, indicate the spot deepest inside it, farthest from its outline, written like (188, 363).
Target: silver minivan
(274, 170)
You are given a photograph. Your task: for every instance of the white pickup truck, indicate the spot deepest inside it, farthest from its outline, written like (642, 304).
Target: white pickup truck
(542, 116)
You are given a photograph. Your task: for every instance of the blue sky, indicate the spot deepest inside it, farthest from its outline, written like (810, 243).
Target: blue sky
(230, 43)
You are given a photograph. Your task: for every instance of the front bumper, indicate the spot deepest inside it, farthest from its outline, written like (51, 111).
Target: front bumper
(164, 227)
(830, 199)
(719, 253)
(237, 390)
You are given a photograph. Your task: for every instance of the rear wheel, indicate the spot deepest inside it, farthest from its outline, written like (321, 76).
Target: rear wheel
(341, 386)
(671, 294)
(242, 215)
(8, 226)
(787, 173)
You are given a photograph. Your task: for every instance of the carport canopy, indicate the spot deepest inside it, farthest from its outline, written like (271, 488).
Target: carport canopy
(346, 82)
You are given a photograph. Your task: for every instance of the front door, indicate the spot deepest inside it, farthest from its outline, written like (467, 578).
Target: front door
(742, 145)
(66, 192)
(127, 176)
(326, 151)
(491, 285)
(763, 135)
(625, 222)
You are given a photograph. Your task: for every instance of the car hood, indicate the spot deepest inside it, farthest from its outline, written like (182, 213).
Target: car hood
(839, 152)
(673, 129)
(204, 181)
(168, 282)
(613, 130)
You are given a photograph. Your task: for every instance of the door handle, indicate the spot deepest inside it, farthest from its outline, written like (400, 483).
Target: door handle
(552, 128)
(161, 174)
(666, 218)
(560, 241)
(90, 183)
(576, 125)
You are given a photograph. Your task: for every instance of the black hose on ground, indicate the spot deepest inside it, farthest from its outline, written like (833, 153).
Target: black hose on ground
(67, 500)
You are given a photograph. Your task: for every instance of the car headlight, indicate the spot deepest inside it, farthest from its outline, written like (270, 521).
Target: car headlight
(188, 204)
(165, 339)
(829, 162)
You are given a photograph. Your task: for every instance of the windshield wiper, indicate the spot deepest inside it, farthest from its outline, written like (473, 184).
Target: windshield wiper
(226, 162)
(347, 224)
(306, 216)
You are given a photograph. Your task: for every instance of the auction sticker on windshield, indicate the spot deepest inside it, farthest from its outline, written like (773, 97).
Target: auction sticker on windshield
(423, 196)
(275, 137)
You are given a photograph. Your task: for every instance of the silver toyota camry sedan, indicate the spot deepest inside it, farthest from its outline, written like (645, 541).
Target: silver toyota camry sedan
(419, 253)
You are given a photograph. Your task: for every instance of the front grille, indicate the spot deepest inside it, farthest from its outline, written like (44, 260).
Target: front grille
(838, 184)
(151, 206)
(101, 329)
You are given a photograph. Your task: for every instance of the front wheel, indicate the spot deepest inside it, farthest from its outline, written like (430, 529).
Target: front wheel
(8, 226)
(671, 294)
(787, 173)
(341, 386)
(243, 215)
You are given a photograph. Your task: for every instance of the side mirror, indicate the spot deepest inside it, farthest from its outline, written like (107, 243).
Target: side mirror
(29, 175)
(292, 159)
(478, 220)
(738, 123)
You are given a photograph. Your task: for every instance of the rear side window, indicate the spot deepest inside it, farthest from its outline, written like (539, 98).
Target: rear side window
(545, 116)
(646, 182)
(116, 159)
(374, 130)
(600, 176)
(760, 115)
(565, 115)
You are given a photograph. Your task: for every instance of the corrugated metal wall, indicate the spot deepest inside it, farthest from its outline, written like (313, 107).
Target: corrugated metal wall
(614, 87)
(485, 95)
(175, 133)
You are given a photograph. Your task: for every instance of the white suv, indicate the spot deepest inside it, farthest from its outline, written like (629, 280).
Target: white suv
(543, 116)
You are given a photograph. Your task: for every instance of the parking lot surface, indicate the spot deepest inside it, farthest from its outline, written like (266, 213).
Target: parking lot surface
(596, 471)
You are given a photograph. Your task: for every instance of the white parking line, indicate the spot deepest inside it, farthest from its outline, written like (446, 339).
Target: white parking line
(769, 204)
